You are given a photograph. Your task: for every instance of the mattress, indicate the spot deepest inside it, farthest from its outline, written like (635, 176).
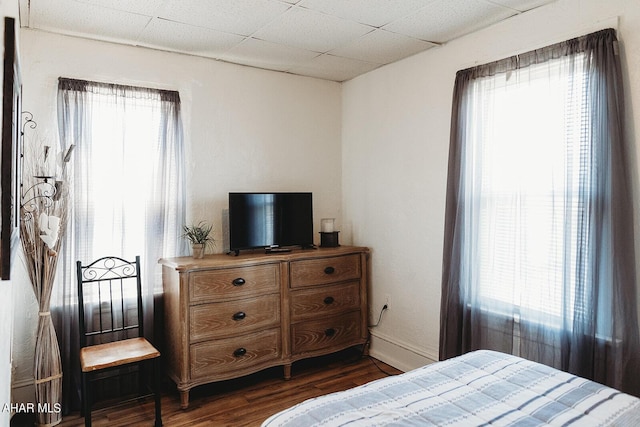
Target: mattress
(480, 388)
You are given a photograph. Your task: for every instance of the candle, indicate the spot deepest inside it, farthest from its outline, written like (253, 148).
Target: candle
(326, 225)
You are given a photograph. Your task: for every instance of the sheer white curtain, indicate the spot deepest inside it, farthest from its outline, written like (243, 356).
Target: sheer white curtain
(539, 257)
(127, 195)
(527, 158)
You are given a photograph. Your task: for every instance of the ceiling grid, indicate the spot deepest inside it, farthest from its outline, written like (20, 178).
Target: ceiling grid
(328, 39)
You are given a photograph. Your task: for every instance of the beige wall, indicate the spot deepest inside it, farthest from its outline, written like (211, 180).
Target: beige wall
(245, 130)
(395, 148)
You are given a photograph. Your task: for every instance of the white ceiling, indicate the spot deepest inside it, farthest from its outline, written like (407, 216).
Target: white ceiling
(329, 39)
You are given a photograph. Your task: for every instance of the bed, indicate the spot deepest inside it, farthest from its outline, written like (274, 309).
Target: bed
(480, 388)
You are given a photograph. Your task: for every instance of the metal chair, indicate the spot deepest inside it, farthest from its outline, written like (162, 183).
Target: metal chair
(111, 324)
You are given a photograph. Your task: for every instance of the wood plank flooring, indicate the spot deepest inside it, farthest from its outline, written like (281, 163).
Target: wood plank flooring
(249, 400)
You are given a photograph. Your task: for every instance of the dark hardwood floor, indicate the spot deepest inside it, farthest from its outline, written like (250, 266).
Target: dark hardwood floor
(249, 400)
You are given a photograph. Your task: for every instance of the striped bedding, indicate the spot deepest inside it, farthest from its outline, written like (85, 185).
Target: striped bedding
(481, 388)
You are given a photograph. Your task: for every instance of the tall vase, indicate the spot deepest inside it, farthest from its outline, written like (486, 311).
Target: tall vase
(41, 260)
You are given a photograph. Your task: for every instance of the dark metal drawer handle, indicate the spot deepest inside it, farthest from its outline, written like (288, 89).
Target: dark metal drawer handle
(329, 270)
(330, 332)
(239, 315)
(240, 352)
(238, 282)
(329, 300)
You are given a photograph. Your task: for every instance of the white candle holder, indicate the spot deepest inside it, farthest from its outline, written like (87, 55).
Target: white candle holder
(328, 235)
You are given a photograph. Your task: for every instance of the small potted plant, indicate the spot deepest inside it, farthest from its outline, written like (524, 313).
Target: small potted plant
(199, 237)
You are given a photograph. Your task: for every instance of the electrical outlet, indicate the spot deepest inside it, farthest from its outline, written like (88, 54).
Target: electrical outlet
(387, 301)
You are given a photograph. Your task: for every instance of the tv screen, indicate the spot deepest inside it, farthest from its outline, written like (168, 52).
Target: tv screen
(270, 220)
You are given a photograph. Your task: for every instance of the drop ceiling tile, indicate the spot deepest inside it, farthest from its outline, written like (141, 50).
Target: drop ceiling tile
(241, 17)
(143, 7)
(311, 30)
(335, 68)
(371, 12)
(86, 20)
(382, 47)
(522, 5)
(272, 56)
(445, 20)
(164, 34)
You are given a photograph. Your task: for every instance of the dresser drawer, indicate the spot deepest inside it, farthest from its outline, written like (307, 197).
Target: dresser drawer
(324, 301)
(232, 318)
(223, 357)
(232, 283)
(336, 331)
(317, 271)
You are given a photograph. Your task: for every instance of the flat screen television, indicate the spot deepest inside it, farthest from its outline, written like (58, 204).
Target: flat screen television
(274, 221)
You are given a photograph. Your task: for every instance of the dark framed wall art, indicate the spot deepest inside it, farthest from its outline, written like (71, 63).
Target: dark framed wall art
(10, 153)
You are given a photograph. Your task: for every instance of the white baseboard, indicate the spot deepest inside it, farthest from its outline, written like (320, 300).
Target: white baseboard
(400, 355)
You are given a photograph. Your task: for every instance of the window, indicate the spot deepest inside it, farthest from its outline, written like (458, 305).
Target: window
(128, 184)
(125, 137)
(531, 154)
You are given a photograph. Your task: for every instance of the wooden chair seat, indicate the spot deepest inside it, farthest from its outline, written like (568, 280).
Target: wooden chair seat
(117, 353)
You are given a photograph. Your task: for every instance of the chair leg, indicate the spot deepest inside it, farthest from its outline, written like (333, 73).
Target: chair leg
(157, 390)
(86, 399)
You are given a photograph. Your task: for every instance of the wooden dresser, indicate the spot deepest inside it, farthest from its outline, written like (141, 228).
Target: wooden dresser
(228, 316)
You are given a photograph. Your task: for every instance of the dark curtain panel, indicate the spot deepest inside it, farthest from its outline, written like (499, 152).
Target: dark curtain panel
(539, 244)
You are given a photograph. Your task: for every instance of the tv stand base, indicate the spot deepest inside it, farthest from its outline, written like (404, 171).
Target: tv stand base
(276, 250)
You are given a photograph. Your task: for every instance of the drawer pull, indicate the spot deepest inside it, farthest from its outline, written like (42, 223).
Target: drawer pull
(239, 315)
(329, 300)
(330, 332)
(329, 270)
(238, 282)
(240, 352)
